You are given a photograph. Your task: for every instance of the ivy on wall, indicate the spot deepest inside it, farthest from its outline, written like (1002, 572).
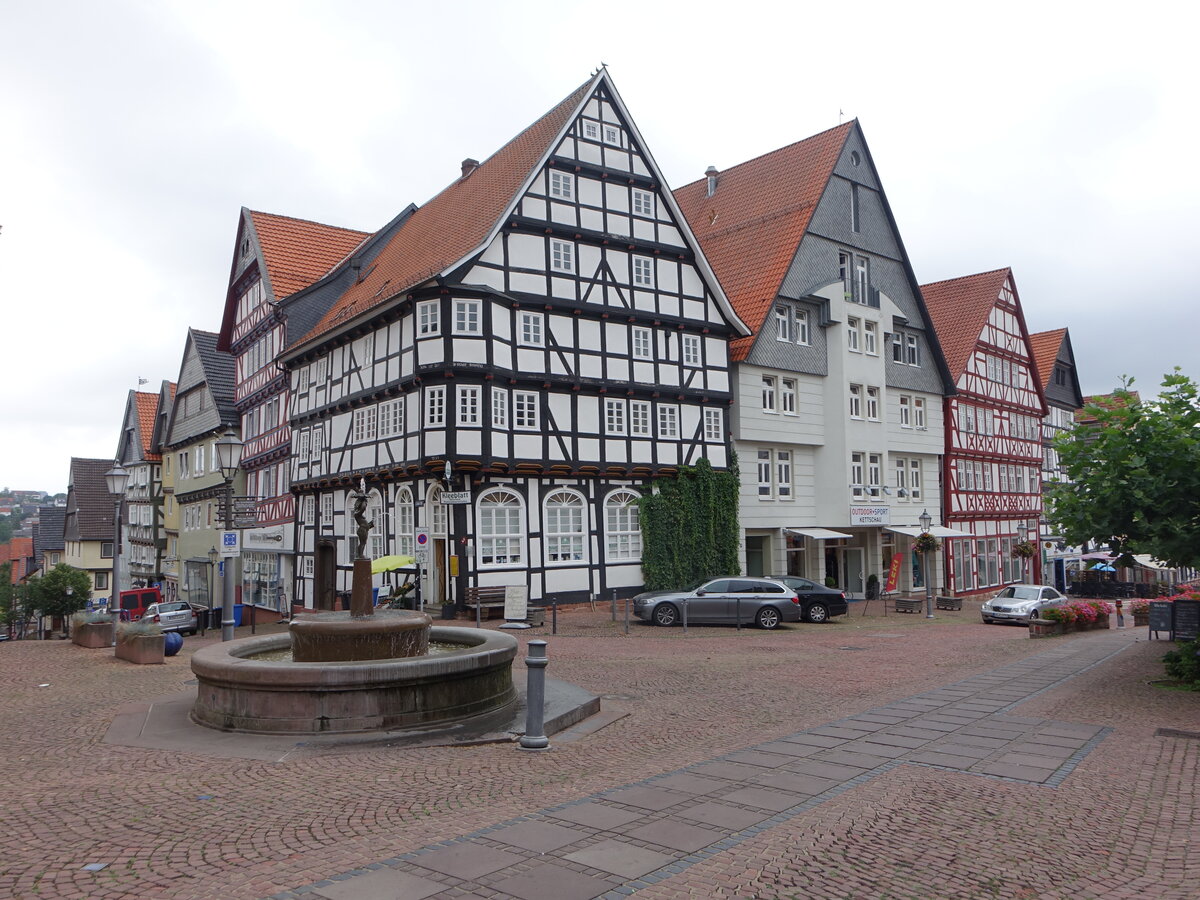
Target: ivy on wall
(690, 527)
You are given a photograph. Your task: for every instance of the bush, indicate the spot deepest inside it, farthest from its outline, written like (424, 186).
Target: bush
(137, 629)
(1183, 664)
(90, 618)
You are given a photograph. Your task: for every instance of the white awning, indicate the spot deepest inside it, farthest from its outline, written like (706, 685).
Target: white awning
(821, 534)
(936, 530)
(1146, 561)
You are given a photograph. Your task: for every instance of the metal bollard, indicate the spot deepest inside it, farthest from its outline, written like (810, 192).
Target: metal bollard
(478, 613)
(685, 606)
(627, 615)
(534, 737)
(554, 616)
(738, 607)
(614, 604)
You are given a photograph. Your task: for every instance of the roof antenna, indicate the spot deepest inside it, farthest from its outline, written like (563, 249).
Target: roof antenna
(841, 115)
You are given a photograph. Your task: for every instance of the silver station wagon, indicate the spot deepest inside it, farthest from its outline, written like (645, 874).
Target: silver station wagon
(764, 602)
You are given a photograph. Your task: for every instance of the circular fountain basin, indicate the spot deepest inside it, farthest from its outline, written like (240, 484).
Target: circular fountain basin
(341, 637)
(238, 692)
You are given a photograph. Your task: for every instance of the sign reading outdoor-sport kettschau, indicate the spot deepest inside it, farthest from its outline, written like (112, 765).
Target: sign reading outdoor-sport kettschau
(870, 515)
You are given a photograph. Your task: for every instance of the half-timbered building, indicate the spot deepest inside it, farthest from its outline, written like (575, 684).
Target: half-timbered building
(993, 460)
(274, 257)
(509, 367)
(837, 420)
(1055, 362)
(145, 543)
(170, 509)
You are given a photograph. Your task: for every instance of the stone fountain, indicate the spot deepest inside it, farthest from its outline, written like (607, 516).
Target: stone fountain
(355, 671)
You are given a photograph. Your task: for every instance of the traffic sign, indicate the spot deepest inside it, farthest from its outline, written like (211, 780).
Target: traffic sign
(231, 543)
(422, 538)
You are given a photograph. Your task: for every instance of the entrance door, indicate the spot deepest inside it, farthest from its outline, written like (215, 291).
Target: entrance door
(325, 578)
(437, 572)
(853, 576)
(756, 555)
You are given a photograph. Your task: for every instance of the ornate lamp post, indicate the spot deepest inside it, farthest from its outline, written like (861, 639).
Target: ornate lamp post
(212, 561)
(118, 479)
(926, 520)
(229, 457)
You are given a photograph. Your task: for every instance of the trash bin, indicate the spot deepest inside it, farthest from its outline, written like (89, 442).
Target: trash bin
(202, 619)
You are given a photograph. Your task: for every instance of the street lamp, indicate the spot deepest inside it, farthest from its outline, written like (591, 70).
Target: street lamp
(926, 520)
(229, 457)
(212, 561)
(118, 479)
(1023, 530)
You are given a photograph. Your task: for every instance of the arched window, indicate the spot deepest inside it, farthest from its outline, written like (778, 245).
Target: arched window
(563, 527)
(437, 511)
(501, 529)
(376, 536)
(622, 530)
(404, 522)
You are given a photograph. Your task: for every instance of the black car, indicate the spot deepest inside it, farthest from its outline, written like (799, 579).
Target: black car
(817, 602)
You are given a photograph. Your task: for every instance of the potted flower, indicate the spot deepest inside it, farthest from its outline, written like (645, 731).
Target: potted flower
(141, 643)
(1140, 608)
(92, 630)
(926, 543)
(1024, 550)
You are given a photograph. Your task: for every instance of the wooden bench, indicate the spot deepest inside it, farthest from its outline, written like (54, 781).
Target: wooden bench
(908, 605)
(486, 600)
(949, 602)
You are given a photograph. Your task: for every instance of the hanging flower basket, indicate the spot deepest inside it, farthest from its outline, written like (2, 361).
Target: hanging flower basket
(1024, 550)
(926, 543)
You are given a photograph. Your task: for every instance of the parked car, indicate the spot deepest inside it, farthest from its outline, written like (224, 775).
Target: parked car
(172, 615)
(134, 603)
(716, 601)
(817, 602)
(1020, 603)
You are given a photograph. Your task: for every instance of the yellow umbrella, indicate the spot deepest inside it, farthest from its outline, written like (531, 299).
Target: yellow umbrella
(388, 563)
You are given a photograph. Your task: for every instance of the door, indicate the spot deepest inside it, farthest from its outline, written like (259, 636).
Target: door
(853, 576)
(756, 555)
(325, 576)
(437, 572)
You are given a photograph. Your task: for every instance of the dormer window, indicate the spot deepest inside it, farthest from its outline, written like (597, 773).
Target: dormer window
(783, 324)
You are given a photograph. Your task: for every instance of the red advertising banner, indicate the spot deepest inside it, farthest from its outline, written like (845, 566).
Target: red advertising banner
(893, 574)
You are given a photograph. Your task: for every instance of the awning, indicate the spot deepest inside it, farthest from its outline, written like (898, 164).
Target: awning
(821, 534)
(936, 530)
(1147, 561)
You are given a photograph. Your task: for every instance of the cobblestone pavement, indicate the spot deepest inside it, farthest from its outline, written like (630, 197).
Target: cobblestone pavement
(874, 757)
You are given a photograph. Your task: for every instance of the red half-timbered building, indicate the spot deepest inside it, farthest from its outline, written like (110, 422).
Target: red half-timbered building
(993, 460)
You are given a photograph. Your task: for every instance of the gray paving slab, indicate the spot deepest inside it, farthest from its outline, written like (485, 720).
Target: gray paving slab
(691, 784)
(646, 797)
(382, 884)
(676, 835)
(728, 770)
(833, 771)
(720, 815)
(864, 761)
(948, 760)
(760, 758)
(467, 859)
(596, 815)
(766, 798)
(539, 837)
(620, 858)
(552, 881)
(790, 748)
(798, 783)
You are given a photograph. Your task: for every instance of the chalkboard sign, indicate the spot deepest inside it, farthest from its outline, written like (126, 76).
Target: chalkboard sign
(1160, 615)
(516, 602)
(1187, 620)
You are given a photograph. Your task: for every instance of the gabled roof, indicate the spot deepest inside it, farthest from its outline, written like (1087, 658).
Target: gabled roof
(1115, 400)
(1045, 346)
(89, 512)
(48, 534)
(219, 372)
(751, 227)
(959, 308)
(456, 223)
(147, 407)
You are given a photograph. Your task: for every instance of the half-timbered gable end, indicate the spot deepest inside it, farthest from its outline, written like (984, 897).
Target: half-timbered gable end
(992, 469)
(145, 542)
(837, 418)
(547, 329)
(170, 509)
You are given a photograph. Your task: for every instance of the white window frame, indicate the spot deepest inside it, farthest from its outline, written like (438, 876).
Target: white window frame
(469, 403)
(327, 509)
(787, 396)
(639, 418)
(766, 473)
(856, 399)
(858, 461)
(591, 130)
(499, 407)
(643, 271)
(872, 404)
(691, 349)
(783, 324)
(901, 470)
(364, 424)
(429, 318)
(641, 342)
(500, 540)
(612, 135)
(435, 406)
(875, 474)
(562, 185)
(668, 421)
(402, 509)
(871, 338)
(614, 416)
(643, 203)
(919, 413)
(525, 410)
(562, 256)
(468, 316)
(912, 351)
(853, 324)
(802, 326)
(622, 528)
(714, 425)
(905, 411)
(769, 393)
(391, 418)
(783, 474)
(564, 528)
(531, 329)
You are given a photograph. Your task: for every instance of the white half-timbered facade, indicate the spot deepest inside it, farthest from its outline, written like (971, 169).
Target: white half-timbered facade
(567, 345)
(993, 425)
(145, 543)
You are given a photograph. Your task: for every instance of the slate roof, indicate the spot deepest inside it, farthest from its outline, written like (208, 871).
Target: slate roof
(89, 512)
(1045, 346)
(456, 222)
(751, 227)
(48, 533)
(298, 252)
(219, 373)
(959, 308)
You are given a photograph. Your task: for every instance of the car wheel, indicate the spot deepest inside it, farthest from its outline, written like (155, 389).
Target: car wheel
(665, 614)
(768, 617)
(818, 613)
(987, 621)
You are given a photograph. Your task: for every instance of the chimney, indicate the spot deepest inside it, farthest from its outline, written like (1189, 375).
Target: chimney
(711, 174)
(468, 166)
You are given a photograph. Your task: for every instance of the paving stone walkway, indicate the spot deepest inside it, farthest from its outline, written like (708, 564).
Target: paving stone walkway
(621, 841)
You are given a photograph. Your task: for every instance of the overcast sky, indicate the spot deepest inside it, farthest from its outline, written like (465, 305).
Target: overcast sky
(1053, 141)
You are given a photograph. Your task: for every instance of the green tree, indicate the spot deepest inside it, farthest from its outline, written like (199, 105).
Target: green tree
(8, 599)
(1135, 474)
(61, 591)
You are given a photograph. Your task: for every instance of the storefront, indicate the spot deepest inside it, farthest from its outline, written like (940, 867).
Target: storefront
(266, 567)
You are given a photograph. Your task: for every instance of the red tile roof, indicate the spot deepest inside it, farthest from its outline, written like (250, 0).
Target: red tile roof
(298, 252)
(1106, 401)
(1045, 346)
(457, 221)
(147, 409)
(959, 309)
(750, 228)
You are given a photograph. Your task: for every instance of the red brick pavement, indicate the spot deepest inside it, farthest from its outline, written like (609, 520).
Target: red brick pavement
(178, 825)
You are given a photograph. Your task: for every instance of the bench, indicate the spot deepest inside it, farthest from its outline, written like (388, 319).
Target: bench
(486, 600)
(949, 602)
(908, 605)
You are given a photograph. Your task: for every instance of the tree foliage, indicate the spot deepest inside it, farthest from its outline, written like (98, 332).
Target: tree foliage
(690, 528)
(61, 591)
(1136, 475)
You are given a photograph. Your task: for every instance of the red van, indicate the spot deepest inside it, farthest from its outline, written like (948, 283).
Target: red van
(135, 602)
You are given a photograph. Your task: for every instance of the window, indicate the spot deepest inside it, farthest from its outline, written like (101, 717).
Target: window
(531, 328)
(468, 405)
(861, 279)
(591, 130)
(642, 343)
(714, 425)
(364, 349)
(643, 271)
(614, 416)
(668, 421)
(308, 509)
(563, 527)
(874, 474)
(787, 396)
(691, 350)
(912, 352)
(623, 532)
(500, 531)
(302, 445)
(905, 411)
(898, 347)
(764, 473)
(375, 539)
(302, 380)
(855, 223)
(639, 418)
(768, 393)
(844, 275)
(322, 370)
(428, 317)
(612, 135)
(106, 549)
(643, 203)
(873, 404)
(783, 324)
(525, 409)
(852, 332)
(562, 184)
(857, 486)
(198, 461)
(499, 408)
(391, 418)
(102, 581)
(914, 479)
(562, 256)
(402, 509)
(783, 474)
(435, 406)
(308, 567)
(856, 393)
(364, 424)
(919, 412)
(318, 444)
(801, 326)
(901, 478)
(466, 316)
(871, 338)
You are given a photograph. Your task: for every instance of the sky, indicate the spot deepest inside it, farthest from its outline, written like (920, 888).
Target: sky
(1022, 135)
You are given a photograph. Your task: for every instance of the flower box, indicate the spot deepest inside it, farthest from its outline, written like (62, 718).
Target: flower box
(93, 635)
(142, 649)
(1040, 628)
